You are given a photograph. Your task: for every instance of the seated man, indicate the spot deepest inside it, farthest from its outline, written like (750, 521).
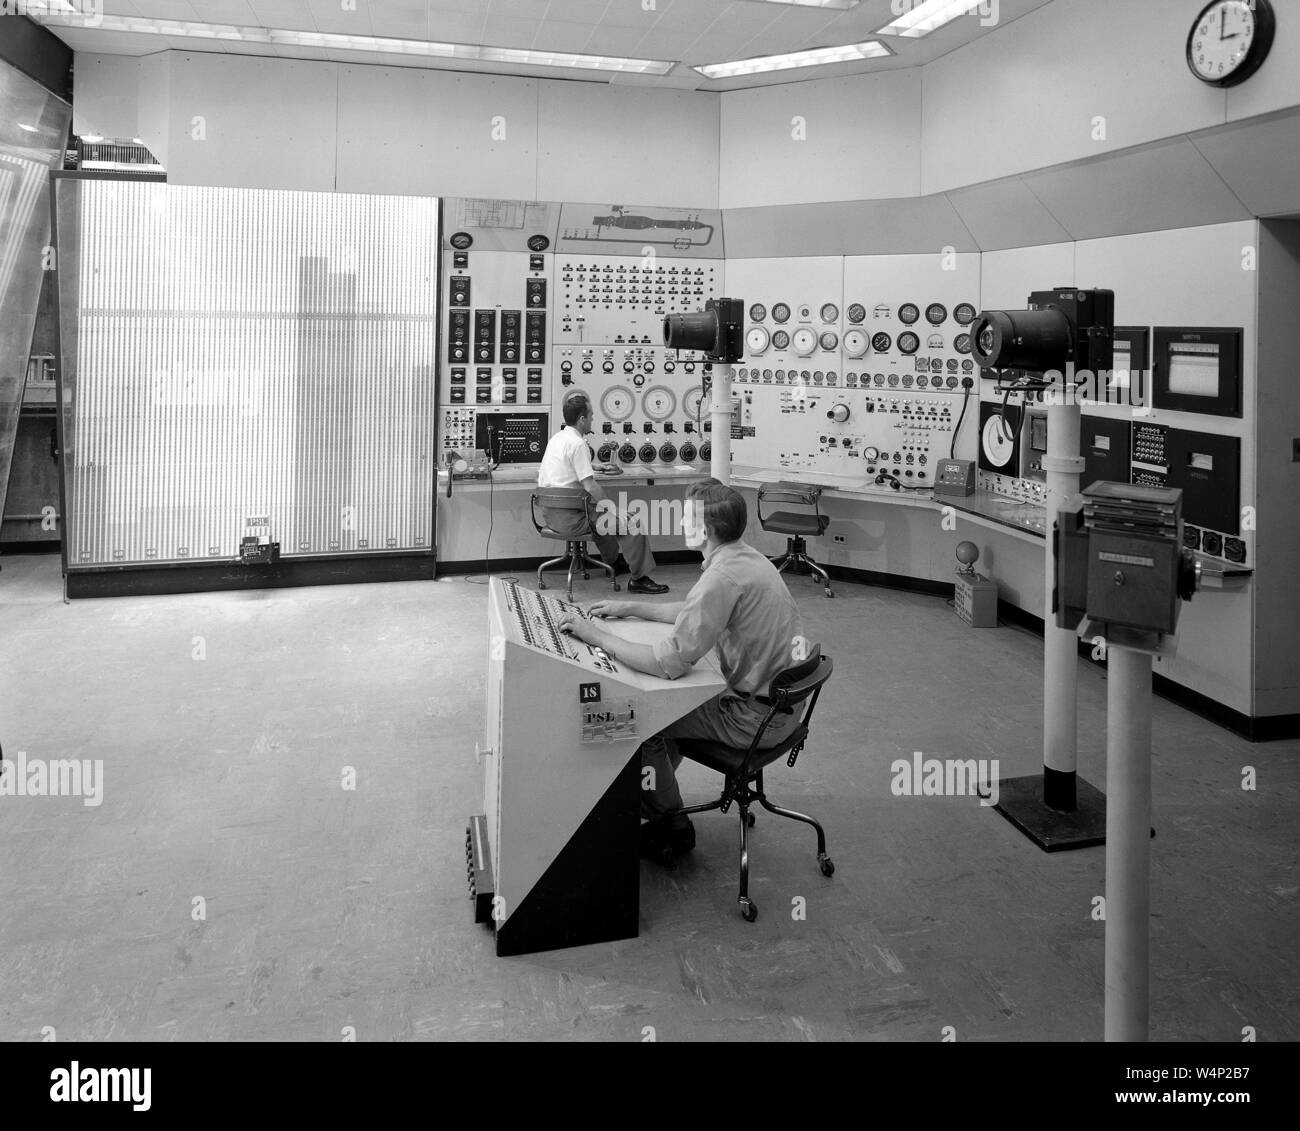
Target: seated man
(742, 607)
(567, 463)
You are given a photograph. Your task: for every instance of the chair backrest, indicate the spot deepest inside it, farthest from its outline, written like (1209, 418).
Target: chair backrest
(561, 499)
(792, 686)
(804, 496)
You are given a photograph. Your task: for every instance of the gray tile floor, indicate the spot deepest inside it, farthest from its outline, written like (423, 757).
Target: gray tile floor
(325, 908)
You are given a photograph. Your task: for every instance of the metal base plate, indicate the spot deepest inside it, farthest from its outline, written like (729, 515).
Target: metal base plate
(1020, 801)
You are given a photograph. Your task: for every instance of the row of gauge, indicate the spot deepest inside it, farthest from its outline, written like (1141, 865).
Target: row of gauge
(805, 340)
(658, 403)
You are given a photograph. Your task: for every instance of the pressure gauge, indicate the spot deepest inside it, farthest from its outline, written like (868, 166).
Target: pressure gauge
(830, 312)
(909, 343)
(780, 340)
(829, 340)
(757, 340)
(857, 313)
(909, 313)
(855, 343)
(757, 312)
(964, 313)
(936, 314)
(871, 454)
(691, 401)
(961, 343)
(780, 312)
(617, 403)
(659, 403)
(882, 342)
(804, 341)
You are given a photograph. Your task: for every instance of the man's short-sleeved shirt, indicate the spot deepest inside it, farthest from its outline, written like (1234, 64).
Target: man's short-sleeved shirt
(567, 461)
(741, 606)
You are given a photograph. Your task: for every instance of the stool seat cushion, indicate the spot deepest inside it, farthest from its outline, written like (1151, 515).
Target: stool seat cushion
(792, 522)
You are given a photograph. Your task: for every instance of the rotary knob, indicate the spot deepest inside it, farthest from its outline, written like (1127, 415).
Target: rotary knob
(839, 413)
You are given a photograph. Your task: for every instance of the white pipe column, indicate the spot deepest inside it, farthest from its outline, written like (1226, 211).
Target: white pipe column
(720, 414)
(1060, 645)
(1128, 841)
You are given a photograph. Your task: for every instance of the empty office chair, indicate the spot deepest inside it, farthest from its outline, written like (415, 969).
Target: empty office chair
(575, 501)
(742, 770)
(796, 524)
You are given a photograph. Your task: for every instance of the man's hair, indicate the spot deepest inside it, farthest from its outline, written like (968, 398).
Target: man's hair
(723, 509)
(575, 405)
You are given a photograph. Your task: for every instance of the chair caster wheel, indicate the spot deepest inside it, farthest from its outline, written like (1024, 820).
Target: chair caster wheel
(750, 819)
(748, 909)
(617, 587)
(827, 865)
(586, 576)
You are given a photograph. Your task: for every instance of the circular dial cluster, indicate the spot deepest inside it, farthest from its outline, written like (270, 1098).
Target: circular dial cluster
(617, 403)
(781, 340)
(908, 342)
(936, 314)
(964, 312)
(857, 313)
(909, 313)
(781, 313)
(757, 312)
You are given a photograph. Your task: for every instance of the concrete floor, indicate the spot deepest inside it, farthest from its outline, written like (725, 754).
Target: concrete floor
(328, 908)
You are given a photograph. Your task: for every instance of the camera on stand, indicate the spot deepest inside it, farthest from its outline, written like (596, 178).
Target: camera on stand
(1064, 333)
(717, 331)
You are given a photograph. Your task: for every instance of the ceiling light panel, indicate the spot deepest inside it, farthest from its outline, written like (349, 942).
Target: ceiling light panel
(818, 57)
(924, 16)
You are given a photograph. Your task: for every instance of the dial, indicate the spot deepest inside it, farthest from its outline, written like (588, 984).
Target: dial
(757, 340)
(691, 401)
(757, 312)
(617, 403)
(804, 341)
(829, 340)
(838, 413)
(857, 313)
(855, 343)
(882, 342)
(936, 314)
(871, 454)
(998, 446)
(462, 240)
(780, 340)
(1230, 40)
(830, 312)
(538, 242)
(780, 313)
(964, 313)
(909, 313)
(961, 343)
(909, 343)
(659, 402)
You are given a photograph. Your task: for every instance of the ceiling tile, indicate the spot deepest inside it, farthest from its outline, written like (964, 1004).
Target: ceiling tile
(509, 31)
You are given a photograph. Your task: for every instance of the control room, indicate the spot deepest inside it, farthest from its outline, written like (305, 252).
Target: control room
(650, 520)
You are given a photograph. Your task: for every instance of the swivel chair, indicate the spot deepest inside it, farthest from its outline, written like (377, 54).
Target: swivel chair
(797, 525)
(576, 501)
(742, 769)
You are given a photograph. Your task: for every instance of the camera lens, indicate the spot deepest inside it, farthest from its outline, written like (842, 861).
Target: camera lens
(698, 331)
(1037, 341)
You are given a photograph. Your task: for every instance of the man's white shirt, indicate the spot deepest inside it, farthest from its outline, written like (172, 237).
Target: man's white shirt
(567, 461)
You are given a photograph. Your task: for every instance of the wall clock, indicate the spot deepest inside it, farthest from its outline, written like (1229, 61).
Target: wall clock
(1230, 40)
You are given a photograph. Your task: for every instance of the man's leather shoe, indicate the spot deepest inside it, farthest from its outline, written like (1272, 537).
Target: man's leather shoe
(664, 840)
(645, 585)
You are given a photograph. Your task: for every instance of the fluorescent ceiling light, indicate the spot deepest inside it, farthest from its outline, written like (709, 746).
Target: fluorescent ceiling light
(925, 16)
(843, 5)
(382, 44)
(818, 57)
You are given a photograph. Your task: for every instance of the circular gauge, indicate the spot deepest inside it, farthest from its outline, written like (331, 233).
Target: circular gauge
(757, 340)
(538, 242)
(780, 313)
(998, 446)
(691, 401)
(461, 240)
(909, 313)
(935, 341)
(909, 343)
(757, 312)
(659, 402)
(964, 313)
(951, 382)
(882, 342)
(878, 380)
(829, 340)
(936, 314)
(855, 343)
(893, 380)
(617, 403)
(780, 340)
(805, 313)
(857, 313)
(830, 312)
(923, 381)
(804, 341)
(961, 343)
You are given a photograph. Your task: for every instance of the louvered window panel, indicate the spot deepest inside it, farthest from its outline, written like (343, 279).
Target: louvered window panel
(249, 359)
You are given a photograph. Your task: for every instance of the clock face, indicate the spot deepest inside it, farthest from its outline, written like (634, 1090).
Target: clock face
(1230, 41)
